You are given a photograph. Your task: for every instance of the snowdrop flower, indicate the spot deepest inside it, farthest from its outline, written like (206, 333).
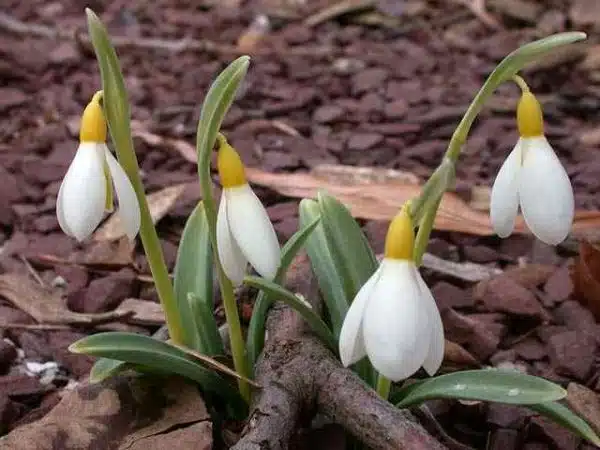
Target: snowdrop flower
(533, 178)
(87, 188)
(244, 231)
(394, 319)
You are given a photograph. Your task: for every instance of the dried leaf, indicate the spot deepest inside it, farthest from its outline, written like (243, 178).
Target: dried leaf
(252, 37)
(143, 312)
(132, 413)
(456, 354)
(46, 306)
(466, 271)
(586, 277)
(381, 201)
(186, 150)
(353, 175)
(159, 204)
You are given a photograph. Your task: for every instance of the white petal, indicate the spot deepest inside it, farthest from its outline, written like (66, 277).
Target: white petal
(435, 354)
(252, 230)
(396, 322)
(504, 202)
(129, 208)
(231, 257)
(82, 194)
(351, 342)
(545, 193)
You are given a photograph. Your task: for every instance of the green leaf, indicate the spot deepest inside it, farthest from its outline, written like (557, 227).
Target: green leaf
(215, 106)
(157, 355)
(105, 368)
(193, 285)
(348, 245)
(301, 306)
(532, 52)
(567, 419)
(491, 385)
(256, 328)
(323, 264)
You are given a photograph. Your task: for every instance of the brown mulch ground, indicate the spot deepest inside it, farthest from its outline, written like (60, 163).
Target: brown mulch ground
(387, 94)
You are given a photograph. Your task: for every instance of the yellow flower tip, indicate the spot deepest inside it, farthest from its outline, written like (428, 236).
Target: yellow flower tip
(400, 239)
(229, 164)
(530, 119)
(93, 123)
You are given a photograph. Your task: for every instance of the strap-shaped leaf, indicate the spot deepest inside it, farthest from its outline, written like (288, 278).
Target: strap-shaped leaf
(347, 243)
(301, 306)
(490, 385)
(193, 285)
(256, 328)
(156, 355)
(568, 419)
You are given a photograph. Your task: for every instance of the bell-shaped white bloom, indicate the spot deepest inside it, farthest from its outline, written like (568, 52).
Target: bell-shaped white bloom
(244, 230)
(394, 319)
(533, 178)
(86, 190)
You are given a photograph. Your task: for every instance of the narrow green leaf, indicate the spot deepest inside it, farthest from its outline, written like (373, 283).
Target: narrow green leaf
(534, 51)
(256, 328)
(193, 284)
(567, 419)
(488, 385)
(348, 245)
(281, 294)
(330, 283)
(215, 106)
(323, 264)
(105, 368)
(157, 355)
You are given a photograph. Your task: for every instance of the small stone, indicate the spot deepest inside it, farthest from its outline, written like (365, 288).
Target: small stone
(503, 294)
(576, 317)
(506, 416)
(559, 286)
(480, 254)
(396, 109)
(449, 296)
(364, 141)
(347, 66)
(572, 353)
(66, 53)
(557, 436)
(8, 353)
(477, 336)
(369, 79)
(328, 113)
(585, 12)
(503, 439)
(530, 349)
(11, 97)
(106, 293)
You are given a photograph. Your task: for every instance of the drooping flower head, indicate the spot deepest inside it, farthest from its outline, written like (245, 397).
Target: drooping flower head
(533, 178)
(394, 319)
(86, 191)
(244, 230)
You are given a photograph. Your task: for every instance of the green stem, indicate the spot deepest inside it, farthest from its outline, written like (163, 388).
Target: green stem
(383, 386)
(424, 232)
(151, 243)
(238, 348)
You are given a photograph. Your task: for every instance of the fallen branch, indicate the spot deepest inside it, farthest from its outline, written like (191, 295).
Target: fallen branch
(299, 375)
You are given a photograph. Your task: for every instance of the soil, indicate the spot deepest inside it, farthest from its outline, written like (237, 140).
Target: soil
(384, 90)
